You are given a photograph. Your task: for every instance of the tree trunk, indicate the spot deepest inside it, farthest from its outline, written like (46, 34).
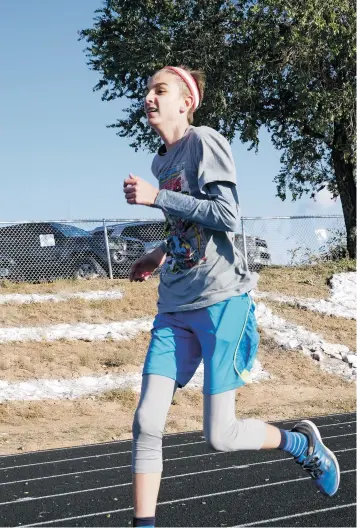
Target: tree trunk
(346, 184)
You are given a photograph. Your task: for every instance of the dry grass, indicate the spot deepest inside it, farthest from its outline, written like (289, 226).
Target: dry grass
(333, 329)
(304, 281)
(126, 398)
(49, 424)
(290, 394)
(299, 387)
(67, 359)
(139, 300)
(63, 285)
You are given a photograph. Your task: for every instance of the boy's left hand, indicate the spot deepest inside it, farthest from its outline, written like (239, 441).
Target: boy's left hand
(138, 191)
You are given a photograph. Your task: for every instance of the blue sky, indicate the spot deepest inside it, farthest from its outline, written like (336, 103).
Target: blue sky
(57, 158)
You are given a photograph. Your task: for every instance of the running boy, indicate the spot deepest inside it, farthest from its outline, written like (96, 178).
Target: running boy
(204, 307)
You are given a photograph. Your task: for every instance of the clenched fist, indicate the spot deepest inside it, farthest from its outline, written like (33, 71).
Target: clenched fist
(138, 191)
(142, 268)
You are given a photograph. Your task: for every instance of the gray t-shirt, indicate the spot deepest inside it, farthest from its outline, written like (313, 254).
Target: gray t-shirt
(199, 199)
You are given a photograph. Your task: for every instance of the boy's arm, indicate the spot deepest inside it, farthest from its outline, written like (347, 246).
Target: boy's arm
(216, 178)
(219, 211)
(163, 248)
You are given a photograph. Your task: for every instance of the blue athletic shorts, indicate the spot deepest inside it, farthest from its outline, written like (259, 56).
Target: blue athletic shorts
(224, 335)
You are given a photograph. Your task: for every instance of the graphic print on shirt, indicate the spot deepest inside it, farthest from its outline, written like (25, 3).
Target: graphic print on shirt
(186, 242)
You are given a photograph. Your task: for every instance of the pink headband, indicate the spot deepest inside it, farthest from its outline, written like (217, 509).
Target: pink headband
(191, 83)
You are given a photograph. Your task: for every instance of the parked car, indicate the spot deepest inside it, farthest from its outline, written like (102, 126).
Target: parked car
(258, 255)
(128, 241)
(6, 267)
(50, 250)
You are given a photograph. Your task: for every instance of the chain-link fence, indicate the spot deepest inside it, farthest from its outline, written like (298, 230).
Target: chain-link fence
(293, 240)
(46, 251)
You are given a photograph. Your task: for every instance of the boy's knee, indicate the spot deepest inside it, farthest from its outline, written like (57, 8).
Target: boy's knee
(145, 425)
(216, 440)
(147, 444)
(236, 436)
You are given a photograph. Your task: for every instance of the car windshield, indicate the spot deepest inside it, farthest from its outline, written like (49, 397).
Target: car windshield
(71, 231)
(145, 232)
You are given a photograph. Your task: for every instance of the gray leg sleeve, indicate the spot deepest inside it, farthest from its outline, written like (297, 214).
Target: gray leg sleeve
(149, 423)
(223, 431)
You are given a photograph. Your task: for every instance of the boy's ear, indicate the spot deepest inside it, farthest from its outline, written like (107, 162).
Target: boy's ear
(188, 104)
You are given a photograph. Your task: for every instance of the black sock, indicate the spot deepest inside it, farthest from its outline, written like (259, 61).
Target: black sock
(144, 521)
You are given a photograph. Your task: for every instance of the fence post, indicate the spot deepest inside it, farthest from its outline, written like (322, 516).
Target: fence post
(107, 249)
(244, 241)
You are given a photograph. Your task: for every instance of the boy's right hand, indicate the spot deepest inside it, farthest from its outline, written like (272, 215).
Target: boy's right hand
(146, 265)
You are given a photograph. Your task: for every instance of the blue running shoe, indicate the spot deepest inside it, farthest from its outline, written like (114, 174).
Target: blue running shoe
(319, 461)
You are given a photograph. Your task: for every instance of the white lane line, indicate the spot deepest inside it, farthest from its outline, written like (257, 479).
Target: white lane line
(179, 475)
(302, 514)
(338, 436)
(296, 420)
(341, 423)
(62, 460)
(126, 452)
(94, 456)
(175, 501)
(117, 452)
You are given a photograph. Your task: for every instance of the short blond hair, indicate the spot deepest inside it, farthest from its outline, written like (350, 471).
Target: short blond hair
(200, 78)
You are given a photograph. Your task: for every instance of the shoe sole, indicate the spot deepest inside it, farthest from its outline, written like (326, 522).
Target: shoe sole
(317, 432)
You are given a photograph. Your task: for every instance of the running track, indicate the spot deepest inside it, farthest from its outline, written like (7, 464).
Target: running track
(90, 485)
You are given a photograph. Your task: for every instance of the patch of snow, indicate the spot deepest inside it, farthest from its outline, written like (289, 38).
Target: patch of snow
(343, 286)
(56, 389)
(28, 298)
(342, 303)
(82, 331)
(333, 358)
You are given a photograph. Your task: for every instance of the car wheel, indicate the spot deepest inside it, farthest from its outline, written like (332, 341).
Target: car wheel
(88, 268)
(6, 269)
(255, 267)
(4, 273)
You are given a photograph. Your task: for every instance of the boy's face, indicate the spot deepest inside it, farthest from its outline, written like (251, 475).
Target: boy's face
(164, 102)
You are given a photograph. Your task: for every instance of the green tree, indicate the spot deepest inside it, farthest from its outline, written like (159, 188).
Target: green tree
(285, 65)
